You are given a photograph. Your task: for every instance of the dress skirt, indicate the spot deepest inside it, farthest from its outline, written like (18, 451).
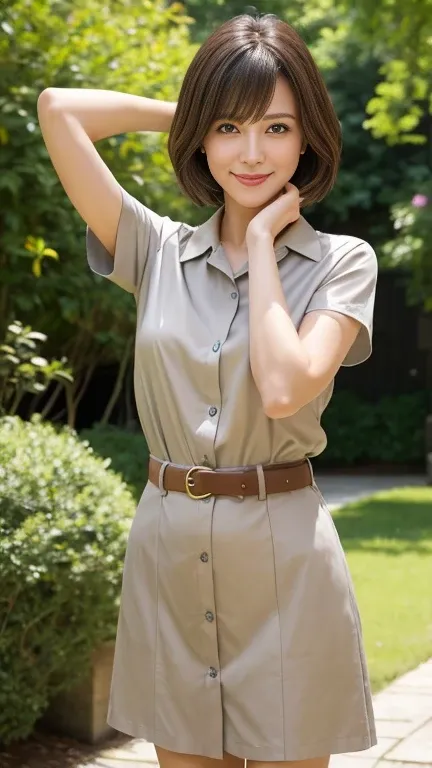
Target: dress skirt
(239, 630)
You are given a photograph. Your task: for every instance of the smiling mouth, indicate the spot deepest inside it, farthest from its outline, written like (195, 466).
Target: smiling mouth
(251, 179)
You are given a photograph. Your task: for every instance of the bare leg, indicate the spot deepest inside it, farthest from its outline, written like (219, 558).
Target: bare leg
(316, 762)
(169, 759)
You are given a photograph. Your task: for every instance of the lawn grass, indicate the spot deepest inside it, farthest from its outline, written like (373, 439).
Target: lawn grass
(387, 539)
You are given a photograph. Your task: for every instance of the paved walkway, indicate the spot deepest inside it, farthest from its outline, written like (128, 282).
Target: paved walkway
(342, 489)
(403, 711)
(403, 714)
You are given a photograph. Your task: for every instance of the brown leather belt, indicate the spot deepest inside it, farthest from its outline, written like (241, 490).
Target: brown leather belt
(202, 482)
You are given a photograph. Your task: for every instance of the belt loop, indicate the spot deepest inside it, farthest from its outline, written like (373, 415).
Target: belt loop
(262, 491)
(311, 471)
(164, 465)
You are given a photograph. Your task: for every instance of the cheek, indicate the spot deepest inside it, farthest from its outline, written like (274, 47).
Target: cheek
(289, 151)
(220, 153)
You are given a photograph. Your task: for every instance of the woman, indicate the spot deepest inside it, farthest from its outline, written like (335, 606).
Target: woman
(239, 636)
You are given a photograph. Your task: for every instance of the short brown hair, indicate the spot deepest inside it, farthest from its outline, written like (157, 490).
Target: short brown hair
(233, 75)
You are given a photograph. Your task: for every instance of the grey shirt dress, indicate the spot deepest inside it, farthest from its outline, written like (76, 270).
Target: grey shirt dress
(238, 628)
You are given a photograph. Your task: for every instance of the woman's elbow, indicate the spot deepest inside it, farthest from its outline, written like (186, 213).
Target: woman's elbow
(280, 408)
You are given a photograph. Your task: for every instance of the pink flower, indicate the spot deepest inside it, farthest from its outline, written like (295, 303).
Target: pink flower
(419, 201)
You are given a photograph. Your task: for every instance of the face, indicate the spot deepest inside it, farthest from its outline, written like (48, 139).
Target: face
(270, 148)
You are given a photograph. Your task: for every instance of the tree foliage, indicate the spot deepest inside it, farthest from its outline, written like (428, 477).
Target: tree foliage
(23, 370)
(399, 32)
(140, 48)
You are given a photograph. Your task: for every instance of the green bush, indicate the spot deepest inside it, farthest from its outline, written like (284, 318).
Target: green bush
(391, 431)
(64, 520)
(127, 450)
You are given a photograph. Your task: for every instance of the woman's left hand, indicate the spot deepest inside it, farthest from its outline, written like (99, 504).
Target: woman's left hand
(275, 216)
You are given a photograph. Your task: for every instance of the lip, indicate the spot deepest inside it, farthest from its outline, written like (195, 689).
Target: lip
(251, 180)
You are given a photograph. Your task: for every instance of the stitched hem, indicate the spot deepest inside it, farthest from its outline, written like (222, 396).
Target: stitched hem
(314, 749)
(189, 746)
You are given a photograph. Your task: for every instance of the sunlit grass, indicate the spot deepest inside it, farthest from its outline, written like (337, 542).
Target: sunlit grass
(388, 543)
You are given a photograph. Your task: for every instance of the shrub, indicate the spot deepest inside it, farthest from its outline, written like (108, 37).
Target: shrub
(391, 431)
(127, 450)
(64, 520)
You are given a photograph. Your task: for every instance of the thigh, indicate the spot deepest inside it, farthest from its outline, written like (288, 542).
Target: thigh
(316, 762)
(169, 759)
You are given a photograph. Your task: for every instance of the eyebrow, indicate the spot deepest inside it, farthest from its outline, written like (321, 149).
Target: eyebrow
(274, 116)
(278, 115)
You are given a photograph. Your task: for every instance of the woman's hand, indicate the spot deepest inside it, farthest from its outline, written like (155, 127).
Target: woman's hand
(275, 216)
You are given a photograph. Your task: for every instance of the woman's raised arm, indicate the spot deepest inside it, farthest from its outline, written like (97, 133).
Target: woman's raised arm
(71, 120)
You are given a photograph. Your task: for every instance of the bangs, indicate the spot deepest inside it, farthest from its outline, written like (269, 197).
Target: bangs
(246, 86)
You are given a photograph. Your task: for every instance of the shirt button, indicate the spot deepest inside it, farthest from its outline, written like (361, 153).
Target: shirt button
(204, 557)
(212, 411)
(216, 346)
(209, 616)
(213, 672)
(234, 295)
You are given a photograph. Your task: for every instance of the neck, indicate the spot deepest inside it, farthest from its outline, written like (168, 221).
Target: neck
(235, 221)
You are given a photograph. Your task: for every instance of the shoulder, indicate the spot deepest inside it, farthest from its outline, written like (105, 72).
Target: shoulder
(346, 252)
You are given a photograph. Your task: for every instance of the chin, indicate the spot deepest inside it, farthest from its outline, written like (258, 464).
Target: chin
(253, 197)
(254, 200)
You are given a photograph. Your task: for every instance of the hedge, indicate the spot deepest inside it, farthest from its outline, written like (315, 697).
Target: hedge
(64, 521)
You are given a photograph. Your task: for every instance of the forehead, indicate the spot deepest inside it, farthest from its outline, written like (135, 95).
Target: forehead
(282, 102)
(283, 97)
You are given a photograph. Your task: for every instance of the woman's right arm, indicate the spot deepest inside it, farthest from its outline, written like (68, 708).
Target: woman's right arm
(71, 121)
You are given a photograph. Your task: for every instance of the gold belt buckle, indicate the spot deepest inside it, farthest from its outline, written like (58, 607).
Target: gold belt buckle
(190, 482)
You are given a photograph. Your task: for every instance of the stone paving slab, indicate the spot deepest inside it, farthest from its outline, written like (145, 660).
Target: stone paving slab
(417, 747)
(380, 749)
(407, 765)
(403, 706)
(396, 729)
(359, 761)
(137, 749)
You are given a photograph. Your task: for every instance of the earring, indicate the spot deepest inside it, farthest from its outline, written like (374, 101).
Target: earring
(203, 150)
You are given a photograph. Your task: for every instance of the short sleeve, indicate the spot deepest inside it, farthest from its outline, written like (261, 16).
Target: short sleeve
(138, 235)
(349, 288)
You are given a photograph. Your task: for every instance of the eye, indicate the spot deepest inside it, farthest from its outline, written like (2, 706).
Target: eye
(225, 125)
(280, 125)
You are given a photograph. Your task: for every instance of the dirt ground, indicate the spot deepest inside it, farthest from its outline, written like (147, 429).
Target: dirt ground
(43, 750)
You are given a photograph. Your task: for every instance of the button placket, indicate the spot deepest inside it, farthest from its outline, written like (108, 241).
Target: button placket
(207, 621)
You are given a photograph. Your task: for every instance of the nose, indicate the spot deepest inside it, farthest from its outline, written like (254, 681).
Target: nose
(252, 151)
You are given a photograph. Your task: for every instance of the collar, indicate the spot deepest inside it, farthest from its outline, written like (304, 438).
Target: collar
(300, 237)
